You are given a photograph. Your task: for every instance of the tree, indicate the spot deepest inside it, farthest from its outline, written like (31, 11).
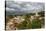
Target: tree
(26, 24)
(42, 13)
(36, 23)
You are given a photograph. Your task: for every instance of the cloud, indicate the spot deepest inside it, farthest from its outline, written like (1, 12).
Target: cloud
(24, 7)
(9, 9)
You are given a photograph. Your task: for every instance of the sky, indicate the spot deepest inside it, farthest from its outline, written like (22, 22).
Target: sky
(17, 8)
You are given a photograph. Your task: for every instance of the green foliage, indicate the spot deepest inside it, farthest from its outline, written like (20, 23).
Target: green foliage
(10, 17)
(36, 23)
(42, 13)
(43, 21)
(25, 24)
